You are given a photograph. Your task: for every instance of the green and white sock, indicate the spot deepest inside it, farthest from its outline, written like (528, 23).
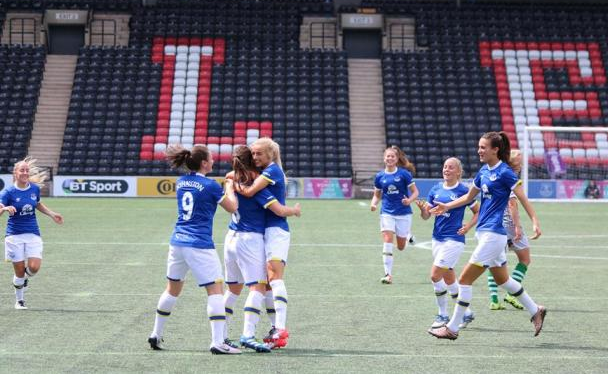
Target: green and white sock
(493, 288)
(519, 272)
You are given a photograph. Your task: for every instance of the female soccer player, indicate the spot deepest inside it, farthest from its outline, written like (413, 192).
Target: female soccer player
(394, 185)
(267, 157)
(191, 245)
(448, 238)
(495, 180)
(517, 242)
(245, 256)
(23, 245)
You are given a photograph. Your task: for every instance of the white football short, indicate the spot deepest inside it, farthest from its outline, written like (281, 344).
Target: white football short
(490, 251)
(231, 266)
(446, 253)
(204, 264)
(276, 244)
(400, 225)
(516, 245)
(250, 257)
(19, 247)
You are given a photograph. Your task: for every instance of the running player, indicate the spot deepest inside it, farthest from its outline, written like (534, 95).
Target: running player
(191, 245)
(517, 242)
(495, 180)
(394, 185)
(245, 255)
(448, 238)
(267, 157)
(23, 244)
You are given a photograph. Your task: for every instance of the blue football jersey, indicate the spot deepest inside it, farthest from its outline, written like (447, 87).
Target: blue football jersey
(25, 201)
(394, 187)
(495, 185)
(275, 176)
(197, 200)
(251, 215)
(447, 224)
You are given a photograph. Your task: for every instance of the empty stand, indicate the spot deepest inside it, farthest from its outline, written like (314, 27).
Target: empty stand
(492, 67)
(21, 70)
(176, 83)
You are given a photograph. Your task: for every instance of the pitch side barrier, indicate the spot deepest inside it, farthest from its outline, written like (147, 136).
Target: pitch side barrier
(300, 188)
(117, 186)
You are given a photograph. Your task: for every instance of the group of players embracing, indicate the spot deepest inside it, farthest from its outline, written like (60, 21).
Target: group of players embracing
(255, 249)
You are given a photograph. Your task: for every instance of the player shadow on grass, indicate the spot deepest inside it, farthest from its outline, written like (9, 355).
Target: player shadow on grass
(495, 330)
(33, 310)
(301, 352)
(561, 310)
(294, 352)
(566, 347)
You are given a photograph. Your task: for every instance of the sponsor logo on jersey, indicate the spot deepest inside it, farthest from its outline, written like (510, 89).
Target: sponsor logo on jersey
(182, 237)
(391, 190)
(92, 186)
(486, 191)
(27, 210)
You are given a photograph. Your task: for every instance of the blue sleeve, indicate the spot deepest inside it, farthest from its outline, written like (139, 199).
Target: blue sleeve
(377, 182)
(216, 191)
(431, 198)
(272, 174)
(509, 179)
(4, 197)
(408, 178)
(477, 181)
(264, 197)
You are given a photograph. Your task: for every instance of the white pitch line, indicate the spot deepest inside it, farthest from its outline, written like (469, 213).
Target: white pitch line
(423, 245)
(576, 236)
(427, 246)
(286, 355)
(296, 296)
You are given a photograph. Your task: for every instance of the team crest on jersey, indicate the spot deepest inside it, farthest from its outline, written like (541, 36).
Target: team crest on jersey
(398, 179)
(33, 197)
(493, 177)
(453, 197)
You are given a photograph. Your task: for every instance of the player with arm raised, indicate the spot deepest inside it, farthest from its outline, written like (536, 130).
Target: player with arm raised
(395, 187)
(495, 180)
(448, 238)
(23, 245)
(191, 245)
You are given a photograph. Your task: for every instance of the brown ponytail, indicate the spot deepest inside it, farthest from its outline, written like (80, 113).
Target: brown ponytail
(178, 156)
(243, 165)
